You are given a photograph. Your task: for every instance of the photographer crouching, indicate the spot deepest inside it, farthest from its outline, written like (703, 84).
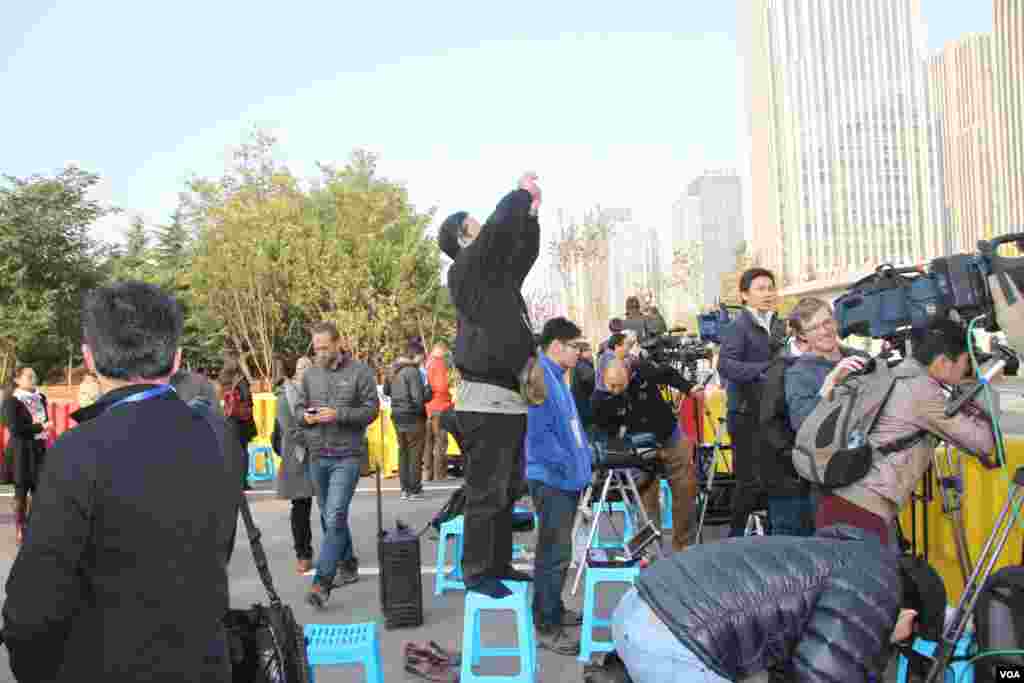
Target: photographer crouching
(632, 407)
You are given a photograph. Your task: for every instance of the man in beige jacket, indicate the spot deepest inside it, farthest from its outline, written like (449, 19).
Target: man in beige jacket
(917, 403)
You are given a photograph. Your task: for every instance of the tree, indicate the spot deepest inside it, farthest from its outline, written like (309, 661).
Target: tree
(172, 243)
(688, 273)
(47, 262)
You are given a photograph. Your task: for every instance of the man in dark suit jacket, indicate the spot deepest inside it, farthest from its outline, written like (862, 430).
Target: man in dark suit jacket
(123, 573)
(748, 344)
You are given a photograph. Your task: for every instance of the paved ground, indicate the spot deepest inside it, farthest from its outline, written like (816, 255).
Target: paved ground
(359, 602)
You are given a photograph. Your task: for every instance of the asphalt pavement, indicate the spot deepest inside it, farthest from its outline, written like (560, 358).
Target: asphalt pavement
(359, 602)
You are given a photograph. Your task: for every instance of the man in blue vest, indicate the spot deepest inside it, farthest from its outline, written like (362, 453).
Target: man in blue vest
(558, 468)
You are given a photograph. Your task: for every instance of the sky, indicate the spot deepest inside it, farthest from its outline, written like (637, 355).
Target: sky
(617, 104)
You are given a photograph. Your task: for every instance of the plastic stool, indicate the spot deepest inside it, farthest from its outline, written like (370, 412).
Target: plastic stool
(444, 580)
(594, 576)
(269, 469)
(519, 549)
(666, 506)
(955, 672)
(344, 644)
(473, 651)
(627, 526)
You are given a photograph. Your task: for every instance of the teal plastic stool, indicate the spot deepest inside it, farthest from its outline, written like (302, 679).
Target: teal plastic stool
(444, 580)
(627, 525)
(333, 644)
(594, 576)
(955, 672)
(666, 506)
(473, 651)
(269, 472)
(519, 549)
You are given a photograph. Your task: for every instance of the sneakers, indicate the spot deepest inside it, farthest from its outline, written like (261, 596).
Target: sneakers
(302, 567)
(348, 573)
(415, 496)
(318, 595)
(556, 639)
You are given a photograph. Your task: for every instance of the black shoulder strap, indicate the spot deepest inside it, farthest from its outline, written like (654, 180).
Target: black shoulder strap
(251, 530)
(902, 443)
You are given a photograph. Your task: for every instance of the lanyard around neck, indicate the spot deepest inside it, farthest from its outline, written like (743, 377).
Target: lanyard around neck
(144, 395)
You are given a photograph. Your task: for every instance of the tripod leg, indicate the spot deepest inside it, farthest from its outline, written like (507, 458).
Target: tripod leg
(594, 529)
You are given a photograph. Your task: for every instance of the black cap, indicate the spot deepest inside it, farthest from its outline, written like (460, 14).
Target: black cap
(448, 235)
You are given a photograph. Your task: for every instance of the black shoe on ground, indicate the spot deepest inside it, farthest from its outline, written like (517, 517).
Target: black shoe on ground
(318, 596)
(571, 618)
(556, 639)
(348, 573)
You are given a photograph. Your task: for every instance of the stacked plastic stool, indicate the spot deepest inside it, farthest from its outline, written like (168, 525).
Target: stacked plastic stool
(519, 549)
(333, 644)
(666, 506)
(594, 577)
(269, 472)
(627, 525)
(472, 649)
(443, 579)
(956, 672)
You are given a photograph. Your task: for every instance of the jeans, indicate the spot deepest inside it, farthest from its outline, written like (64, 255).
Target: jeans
(336, 480)
(302, 532)
(556, 510)
(791, 515)
(493, 452)
(652, 653)
(410, 455)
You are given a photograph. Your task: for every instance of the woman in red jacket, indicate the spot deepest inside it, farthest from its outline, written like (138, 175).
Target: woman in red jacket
(435, 453)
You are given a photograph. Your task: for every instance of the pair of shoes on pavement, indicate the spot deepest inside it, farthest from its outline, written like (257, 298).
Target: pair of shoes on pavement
(412, 495)
(562, 639)
(319, 593)
(432, 662)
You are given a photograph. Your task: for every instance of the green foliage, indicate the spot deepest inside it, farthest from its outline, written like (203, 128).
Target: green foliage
(47, 261)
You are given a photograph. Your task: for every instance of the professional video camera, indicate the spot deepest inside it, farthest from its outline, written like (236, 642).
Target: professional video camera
(682, 353)
(891, 302)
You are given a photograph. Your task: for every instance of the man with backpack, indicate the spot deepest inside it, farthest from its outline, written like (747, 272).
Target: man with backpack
(872, 435)
(409, 397)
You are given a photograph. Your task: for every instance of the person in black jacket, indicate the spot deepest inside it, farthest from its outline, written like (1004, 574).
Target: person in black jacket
(493, 345)
(634, 407)
(584, 381)
(813, 610)
(240, 420)
(122, 577)
(748, 344)
(409, 415)
(25, 412)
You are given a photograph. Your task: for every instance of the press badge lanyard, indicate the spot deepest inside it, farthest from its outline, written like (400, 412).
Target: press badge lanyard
(144, 395)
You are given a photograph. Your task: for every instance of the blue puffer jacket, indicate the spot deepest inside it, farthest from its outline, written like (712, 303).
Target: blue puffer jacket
(822, 608)
(557, 451)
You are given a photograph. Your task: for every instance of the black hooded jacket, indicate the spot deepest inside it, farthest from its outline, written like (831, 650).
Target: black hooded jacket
(641, 408)
(820, 609)
(494, 339)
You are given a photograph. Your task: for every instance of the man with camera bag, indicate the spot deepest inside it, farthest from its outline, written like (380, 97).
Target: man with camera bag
(633, 407)
(910, 422)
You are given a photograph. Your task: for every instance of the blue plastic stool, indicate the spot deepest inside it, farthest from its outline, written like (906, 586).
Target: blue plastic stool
(594, 576)
(444, 580)
(269, 469)
(473, 651)
(666, 506)
(519, 549)
(627, 525)
(953, 672)
(332, 644)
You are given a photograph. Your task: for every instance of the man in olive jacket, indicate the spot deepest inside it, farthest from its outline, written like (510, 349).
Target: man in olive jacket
(123, 573)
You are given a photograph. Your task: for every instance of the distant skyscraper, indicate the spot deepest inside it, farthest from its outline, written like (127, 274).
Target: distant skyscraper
(961, 94)
(1008, 145)
(842, 160)
(718, 200)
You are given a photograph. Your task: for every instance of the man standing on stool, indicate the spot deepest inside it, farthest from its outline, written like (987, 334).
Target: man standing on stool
(493, 345)
(558, 462)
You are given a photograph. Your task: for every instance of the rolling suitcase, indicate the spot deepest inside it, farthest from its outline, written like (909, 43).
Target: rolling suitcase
(401, 582)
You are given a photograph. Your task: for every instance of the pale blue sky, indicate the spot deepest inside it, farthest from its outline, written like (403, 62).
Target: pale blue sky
(617, 103)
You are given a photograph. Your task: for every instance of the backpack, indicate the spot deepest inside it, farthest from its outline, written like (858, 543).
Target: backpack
(234, 406)
(832, 449)
(999, 623)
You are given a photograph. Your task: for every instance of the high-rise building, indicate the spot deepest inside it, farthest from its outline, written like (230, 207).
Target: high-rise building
(842, 158)
(1008, 143)
(961, 95)
(717, 201)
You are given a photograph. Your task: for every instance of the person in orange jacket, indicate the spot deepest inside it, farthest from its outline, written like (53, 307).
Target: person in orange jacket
(435, 453)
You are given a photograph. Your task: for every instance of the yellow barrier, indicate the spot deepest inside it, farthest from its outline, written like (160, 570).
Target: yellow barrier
(383, 443)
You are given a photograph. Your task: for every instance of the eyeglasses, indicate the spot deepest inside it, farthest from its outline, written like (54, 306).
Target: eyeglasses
(579, 346)
(829, 324)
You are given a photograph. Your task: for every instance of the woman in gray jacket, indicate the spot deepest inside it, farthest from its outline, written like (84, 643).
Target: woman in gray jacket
(293, 480)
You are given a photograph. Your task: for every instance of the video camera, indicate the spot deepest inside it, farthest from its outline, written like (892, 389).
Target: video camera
(892, 302)
(679, 352)
(710, 324)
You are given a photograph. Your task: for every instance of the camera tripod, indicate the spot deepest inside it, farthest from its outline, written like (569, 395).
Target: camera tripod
(617, 466)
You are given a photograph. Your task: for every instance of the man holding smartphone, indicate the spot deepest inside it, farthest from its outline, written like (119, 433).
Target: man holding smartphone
(337, 401)
(493, 347)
